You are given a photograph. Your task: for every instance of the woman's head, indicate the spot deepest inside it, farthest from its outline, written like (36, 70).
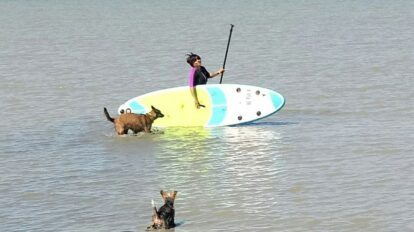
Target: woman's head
(192, 58)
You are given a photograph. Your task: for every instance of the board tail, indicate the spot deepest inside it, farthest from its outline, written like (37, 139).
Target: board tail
(107, 115)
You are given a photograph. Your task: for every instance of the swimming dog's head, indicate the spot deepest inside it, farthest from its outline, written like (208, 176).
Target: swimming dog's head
(168, 197)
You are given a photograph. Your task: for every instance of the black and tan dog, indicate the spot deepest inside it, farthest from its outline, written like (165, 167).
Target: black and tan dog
(164, 217)
(134, 122)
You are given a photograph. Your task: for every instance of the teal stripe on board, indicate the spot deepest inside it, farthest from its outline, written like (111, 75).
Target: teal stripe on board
(219, 106)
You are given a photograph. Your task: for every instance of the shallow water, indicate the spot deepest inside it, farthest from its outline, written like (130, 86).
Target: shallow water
(337, 157)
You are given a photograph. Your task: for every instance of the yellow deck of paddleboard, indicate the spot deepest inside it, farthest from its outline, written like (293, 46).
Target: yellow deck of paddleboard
(178, 107)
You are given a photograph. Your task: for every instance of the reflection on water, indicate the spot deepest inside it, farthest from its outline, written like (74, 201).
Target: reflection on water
(239, 137)
(251, 150)
(229, 143)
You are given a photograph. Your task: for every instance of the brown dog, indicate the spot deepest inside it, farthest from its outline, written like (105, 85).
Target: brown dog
(164, 217)
(134, 122)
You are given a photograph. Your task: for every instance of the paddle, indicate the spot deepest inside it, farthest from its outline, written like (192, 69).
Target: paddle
(227, 50)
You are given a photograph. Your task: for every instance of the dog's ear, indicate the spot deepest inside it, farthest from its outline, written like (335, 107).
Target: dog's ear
(175, 194)
(152, 107)
(162, 193)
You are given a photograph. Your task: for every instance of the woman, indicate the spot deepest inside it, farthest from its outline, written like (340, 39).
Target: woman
(198, 75)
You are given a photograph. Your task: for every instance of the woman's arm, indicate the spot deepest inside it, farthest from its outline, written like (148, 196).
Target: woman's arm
(194, 94)
(216, 73)
(191, 83)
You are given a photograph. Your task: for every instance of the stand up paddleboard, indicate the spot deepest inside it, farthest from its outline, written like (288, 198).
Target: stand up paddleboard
(225, 104)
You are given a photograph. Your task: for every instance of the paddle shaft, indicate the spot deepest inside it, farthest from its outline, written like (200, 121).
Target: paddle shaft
(227, 50)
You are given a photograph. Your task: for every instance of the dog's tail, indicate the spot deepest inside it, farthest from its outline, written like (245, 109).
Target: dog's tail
(155, 224)
(155, 213)
(154, 208)
(107, 115)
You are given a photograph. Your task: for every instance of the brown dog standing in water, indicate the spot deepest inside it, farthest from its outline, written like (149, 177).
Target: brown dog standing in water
(134, 122)
(164, 217)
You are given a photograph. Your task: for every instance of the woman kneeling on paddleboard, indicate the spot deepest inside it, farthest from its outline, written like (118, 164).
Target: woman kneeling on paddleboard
(198, 75)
